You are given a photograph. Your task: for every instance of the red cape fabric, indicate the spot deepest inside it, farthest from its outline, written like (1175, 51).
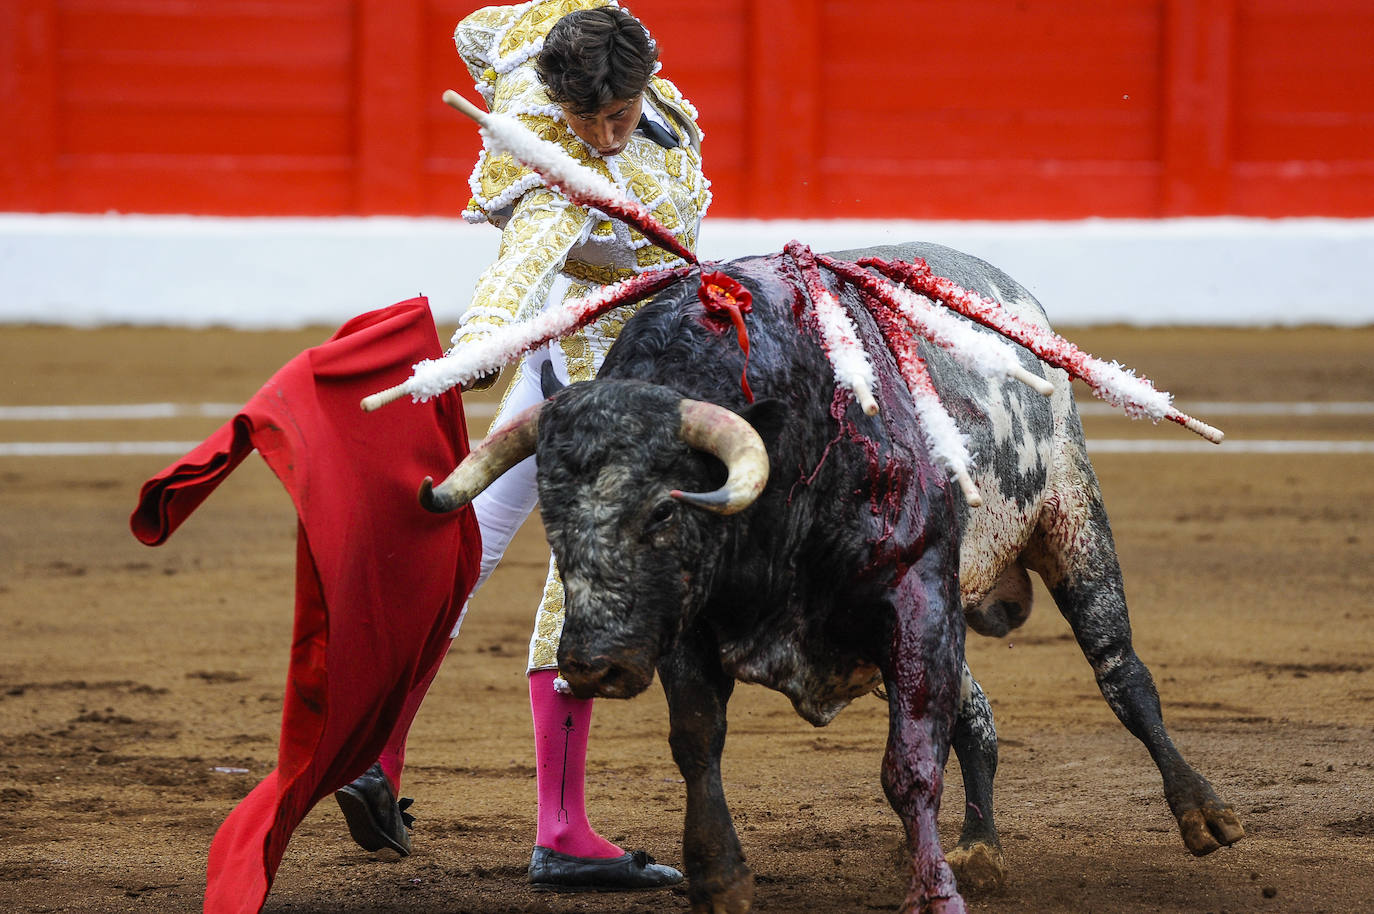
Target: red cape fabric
(379, 581)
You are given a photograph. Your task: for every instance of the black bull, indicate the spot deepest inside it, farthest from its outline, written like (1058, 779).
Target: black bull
(856, 566)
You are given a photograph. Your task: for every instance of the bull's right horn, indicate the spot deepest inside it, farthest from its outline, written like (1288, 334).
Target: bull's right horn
(716, 430)
(503, 449)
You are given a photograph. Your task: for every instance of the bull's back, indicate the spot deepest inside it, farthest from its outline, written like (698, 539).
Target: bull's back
(1019, 439)
(1029, 456)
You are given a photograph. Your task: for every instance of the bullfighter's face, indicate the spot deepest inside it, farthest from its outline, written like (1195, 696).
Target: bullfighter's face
(607, 130)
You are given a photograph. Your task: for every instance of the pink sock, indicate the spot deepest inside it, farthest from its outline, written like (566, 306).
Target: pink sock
(561, 725)
(393, 755)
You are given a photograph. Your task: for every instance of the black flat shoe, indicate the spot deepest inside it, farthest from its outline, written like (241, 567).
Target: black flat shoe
(551, 871)
(375, 819)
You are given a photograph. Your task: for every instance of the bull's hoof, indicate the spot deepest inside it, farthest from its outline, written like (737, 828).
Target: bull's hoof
(1209, 828)
(978, 868)
(734, 896)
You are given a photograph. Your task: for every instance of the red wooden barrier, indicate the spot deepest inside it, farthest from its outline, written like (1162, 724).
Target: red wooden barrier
(868, 108)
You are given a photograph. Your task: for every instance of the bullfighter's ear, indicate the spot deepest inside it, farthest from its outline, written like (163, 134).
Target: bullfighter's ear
(768, 417)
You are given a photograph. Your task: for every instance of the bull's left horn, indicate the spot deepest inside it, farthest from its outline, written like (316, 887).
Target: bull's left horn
(716, 430)
(503, 449)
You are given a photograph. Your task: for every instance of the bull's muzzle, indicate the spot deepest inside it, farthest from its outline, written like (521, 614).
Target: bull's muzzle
(604, 677)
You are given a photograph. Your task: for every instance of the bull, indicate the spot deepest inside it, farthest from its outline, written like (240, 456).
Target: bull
(855, 567)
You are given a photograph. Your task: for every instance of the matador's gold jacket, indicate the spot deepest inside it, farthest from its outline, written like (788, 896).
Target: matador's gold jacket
(542, 233)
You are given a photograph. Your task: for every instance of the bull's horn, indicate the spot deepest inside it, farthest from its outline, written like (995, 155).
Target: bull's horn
(503, 449)
(716, 430)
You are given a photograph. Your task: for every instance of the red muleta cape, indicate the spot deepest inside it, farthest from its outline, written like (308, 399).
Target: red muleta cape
(379, 581)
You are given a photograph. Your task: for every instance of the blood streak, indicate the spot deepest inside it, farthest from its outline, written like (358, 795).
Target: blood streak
(719, 294)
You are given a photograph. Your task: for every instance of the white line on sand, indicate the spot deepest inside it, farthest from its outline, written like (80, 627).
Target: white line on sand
(485, 410)
(130, 411)
(1095, 446)
(157, 411)
(1231, 408)
(1229, 446)
(93, 448)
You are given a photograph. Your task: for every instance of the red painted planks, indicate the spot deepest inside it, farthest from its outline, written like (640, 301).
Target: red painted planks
(819, 108)
(28, 105)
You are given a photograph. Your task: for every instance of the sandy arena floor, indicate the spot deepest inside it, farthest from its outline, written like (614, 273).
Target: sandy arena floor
(127, 674)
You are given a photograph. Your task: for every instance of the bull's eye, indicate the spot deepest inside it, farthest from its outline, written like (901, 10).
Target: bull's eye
(661, 517)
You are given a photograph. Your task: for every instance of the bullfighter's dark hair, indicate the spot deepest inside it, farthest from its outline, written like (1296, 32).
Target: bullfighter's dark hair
(594, 57)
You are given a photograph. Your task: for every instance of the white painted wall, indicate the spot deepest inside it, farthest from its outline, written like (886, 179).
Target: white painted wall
(281, 273)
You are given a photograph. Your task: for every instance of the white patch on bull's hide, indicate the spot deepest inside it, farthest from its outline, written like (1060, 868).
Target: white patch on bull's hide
(976, 714)
(993, 538)
(997, 532)
(1009, 426)
(605, 502)
(592, 607)
(1108, 663)
(612, 481)
(575, 586)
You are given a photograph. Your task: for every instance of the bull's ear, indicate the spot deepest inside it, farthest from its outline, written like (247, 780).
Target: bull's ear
(768, 417)
(549, 384)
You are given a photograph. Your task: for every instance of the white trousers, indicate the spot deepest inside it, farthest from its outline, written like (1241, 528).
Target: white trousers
(505, 504)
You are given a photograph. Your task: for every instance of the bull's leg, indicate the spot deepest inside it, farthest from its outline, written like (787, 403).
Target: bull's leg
(697, 689)
(977, 859)
(1084, 577)
(922, 677)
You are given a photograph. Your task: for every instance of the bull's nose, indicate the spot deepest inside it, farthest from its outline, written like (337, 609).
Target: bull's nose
(601, 678)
